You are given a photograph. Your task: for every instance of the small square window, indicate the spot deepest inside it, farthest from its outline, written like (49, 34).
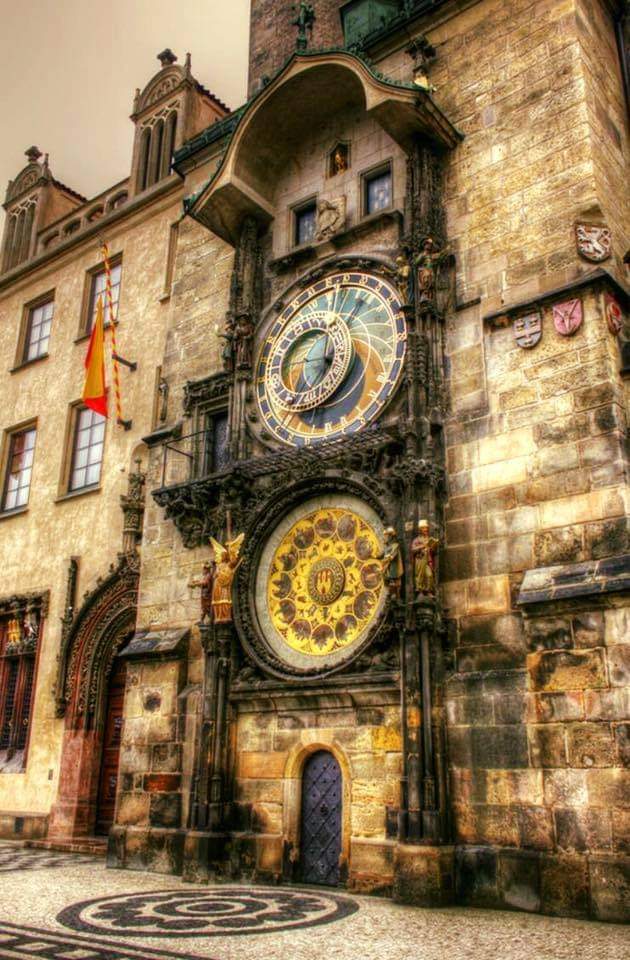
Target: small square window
(97, 289)
(17, 482)
(305, 219)
(377, 190)
(38, 330)
(87, 449)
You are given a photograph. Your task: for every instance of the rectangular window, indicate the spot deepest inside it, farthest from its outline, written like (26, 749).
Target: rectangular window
(377, 187)
(17, 482)
(38, 331)
(305, 220)
(216, 442)
(87, 449)
(97, 289)
(19, 634)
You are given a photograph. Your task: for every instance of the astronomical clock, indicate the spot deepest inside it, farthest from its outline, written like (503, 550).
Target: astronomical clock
(328, 493)
(327, 366)
(332, 359)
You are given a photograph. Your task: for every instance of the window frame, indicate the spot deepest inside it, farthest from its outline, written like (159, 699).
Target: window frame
(367, 176)
(65, 490)
(85, 327)
(9, 434)
(25, 692)
(25, 328)
(296, 210)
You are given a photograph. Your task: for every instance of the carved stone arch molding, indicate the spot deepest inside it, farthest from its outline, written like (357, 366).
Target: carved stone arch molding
(90, 641)
(93, 639)
(271, 508)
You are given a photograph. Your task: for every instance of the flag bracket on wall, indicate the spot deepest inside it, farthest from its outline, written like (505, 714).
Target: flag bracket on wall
(130, 364)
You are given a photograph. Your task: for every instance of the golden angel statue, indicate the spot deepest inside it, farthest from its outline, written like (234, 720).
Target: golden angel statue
(227, 562)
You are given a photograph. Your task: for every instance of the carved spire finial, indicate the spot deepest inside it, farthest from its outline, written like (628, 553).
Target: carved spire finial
(304, 20)
(188, 65)
(166, 57)
(33, 154)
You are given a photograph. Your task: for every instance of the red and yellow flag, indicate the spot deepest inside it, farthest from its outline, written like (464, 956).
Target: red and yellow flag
(94, 388)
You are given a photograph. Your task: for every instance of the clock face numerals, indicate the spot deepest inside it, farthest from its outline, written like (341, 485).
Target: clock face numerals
(332, 359)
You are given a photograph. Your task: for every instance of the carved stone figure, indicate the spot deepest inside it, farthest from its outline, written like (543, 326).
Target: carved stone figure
(423, 551)
(423, 54)
(391, 562)
(227, 562)
(427, 263)
(206, 583)
(243, 333)
(304, 22)
(339, 162)
(227, 351)
(404, 277)
(331, 217)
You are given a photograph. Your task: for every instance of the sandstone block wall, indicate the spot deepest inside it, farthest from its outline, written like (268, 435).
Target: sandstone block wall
(271, 749)
(151, 765)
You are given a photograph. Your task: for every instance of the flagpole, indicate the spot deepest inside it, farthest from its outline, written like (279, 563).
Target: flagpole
(113, 322)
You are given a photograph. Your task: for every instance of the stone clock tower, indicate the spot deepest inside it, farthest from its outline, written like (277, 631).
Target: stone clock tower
(320, 749)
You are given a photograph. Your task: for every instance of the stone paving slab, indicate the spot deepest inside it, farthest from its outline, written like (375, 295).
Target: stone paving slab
(78, 910)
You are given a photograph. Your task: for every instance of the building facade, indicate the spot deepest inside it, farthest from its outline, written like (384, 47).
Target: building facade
(363, 617)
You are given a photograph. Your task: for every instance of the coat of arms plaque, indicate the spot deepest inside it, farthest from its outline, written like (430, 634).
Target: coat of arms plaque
(593, 241)
(614, 314)
(567, 317)
(528, 330)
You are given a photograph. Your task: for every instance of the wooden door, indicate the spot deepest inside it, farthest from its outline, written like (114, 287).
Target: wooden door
(321, 819)
(112, 732)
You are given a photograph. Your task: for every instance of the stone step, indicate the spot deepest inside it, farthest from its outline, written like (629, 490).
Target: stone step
(97, 846)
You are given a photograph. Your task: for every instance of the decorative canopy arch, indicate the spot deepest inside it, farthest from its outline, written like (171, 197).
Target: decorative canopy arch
(88, 647)
(310, 88)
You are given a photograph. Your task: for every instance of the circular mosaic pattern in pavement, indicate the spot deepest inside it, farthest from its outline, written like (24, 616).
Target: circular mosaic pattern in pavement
(223, 911)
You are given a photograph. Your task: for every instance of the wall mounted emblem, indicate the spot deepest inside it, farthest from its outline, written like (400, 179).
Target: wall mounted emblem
(593, 241)
(614, 314)
(567, 317)
(528, 330)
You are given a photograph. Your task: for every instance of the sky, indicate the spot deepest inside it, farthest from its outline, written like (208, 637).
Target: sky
(69, 69)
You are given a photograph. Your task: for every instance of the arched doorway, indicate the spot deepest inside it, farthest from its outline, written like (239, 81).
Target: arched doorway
(322, 789)
(90, 693)
(110, 750)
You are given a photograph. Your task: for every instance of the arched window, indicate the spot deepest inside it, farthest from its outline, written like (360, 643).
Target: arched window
(155, 161)
(29, 216)
(9, 241)
(17, 241)
(169, 144)
(143, 166)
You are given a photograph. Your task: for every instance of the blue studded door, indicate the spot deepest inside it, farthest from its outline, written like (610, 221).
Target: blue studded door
(321, 819)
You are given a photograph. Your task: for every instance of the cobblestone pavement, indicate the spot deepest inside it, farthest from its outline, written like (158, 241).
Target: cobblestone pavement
(64, 907)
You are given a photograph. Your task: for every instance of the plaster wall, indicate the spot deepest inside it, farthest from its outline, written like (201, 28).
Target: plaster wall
(37, 544)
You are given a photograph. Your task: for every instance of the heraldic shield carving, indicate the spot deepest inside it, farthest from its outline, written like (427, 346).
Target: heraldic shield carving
(594, 242)
(614, 314)
(567, 317)
(528, 330)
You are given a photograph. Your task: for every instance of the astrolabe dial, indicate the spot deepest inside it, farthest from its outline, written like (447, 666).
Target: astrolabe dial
(332, 359)
(309, 362)
(320, 583)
